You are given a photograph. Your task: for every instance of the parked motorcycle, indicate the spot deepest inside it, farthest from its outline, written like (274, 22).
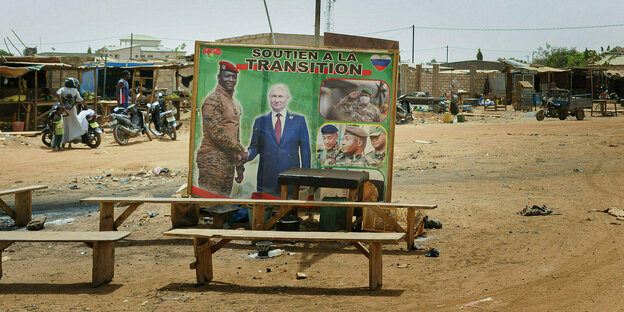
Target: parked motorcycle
(161, 121)
(92, 138)
(127, 123)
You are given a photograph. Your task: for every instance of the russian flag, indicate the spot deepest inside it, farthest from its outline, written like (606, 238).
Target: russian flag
(380, 62)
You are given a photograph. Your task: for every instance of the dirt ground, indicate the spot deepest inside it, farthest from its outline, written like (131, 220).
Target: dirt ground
(479, 173)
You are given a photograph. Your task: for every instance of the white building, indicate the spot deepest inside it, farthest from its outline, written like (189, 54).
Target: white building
(143, 47)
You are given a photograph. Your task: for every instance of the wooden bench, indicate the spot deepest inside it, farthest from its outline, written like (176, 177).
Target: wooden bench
(184, 207)
(206, 242)
(103, 244)
(22, 214)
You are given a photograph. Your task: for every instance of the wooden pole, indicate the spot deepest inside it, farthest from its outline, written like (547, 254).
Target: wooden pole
(35, 100)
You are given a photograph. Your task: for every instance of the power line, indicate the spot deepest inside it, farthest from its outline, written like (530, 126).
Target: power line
(497, 29)
(79, 41)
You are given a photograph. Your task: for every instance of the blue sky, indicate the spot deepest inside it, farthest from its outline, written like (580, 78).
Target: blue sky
(73, 26)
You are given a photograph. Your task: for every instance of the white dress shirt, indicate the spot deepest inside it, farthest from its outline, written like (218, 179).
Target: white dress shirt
(282, 119)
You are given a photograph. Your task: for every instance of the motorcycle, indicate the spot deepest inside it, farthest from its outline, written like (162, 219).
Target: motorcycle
(127, 123)
(92, 138)
(162, 121)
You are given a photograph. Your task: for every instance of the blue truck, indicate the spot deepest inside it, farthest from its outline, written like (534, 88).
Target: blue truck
(559, 103)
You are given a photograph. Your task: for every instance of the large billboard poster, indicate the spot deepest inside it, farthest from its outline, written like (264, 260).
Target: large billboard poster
(260, 110)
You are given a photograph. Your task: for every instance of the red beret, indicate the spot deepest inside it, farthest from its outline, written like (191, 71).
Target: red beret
(224, 65)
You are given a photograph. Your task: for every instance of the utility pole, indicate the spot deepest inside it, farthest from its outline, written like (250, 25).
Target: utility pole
(446, 55)
(317, 23)
(269, 18)
(413, 30)
(131, 40)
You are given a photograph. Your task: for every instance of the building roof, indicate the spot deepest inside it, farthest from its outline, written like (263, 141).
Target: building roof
(140, 37)
(610, 59)
(117, 48)
(157, 49)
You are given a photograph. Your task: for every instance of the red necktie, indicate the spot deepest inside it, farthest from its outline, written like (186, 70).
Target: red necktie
(278, 127)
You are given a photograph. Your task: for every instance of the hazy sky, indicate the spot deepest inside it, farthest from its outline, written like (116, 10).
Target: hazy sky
(73, 26)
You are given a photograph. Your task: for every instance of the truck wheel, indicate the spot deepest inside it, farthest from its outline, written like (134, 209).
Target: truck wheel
(580, 114)
(563, 113)
(540, 115)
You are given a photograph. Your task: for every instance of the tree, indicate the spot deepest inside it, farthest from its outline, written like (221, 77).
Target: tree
(560, 57)
(89, 50)
(479, 55)
(5, 53)
(433, 61)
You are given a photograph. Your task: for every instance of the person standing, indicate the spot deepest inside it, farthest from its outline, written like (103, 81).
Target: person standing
(58, 132)
(122, 92)
(73, 126)
(330, 151)
(220, 152)
(281, 139)
(378, 141)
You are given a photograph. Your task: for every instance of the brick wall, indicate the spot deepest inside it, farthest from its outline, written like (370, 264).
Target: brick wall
(409, 81)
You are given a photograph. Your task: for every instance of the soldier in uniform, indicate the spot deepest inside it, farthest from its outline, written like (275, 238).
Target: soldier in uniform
(328, 154)
(378, 141)
(221, 153)
(358, 106)
(352, 147)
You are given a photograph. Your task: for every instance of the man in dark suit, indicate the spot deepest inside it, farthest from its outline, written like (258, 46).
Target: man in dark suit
(281, 139)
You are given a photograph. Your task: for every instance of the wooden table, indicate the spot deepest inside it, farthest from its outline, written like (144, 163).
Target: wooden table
(22, 214)
(206, 242)
(188, 208)
(603, 104)
(342, 179)
(176, 102)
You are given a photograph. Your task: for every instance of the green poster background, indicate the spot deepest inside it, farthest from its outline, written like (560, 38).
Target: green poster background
(252, 89)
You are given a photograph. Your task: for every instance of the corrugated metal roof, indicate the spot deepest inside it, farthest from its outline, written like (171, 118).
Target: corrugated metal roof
(140, 37)
(611, 59)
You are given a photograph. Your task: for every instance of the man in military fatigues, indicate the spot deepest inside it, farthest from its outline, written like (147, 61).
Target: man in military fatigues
(358, 106)
(352, 147)
(378, 141)
(328, 154)
(220, 152)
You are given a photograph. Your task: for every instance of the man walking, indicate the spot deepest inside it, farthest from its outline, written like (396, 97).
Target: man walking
(281, 139)
(220, 151)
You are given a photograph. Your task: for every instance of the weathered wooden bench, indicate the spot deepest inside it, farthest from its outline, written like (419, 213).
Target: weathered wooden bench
(103, 244)
(22, 214)
(206, 242)
(188, 208)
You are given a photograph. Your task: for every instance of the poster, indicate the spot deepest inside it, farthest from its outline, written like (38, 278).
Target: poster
(259, 110)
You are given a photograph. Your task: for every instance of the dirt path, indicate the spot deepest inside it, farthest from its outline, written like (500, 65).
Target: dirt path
(480, 173)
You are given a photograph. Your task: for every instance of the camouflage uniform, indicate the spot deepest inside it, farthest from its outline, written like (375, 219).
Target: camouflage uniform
(376, 159)
(355, 160)
(358, 112)
(217, 155)
(328, 156)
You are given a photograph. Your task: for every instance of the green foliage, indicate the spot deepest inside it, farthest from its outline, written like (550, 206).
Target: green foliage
(89, 50)
(5, 53)
(479, 55)
(560, 57)
(433, 61)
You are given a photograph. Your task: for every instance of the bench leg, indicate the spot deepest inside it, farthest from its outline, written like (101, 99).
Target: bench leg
(107, 216)
(23, 208)
(103, 263)
(203, 258)
(409, 235)
(374, 266)
(349, 221)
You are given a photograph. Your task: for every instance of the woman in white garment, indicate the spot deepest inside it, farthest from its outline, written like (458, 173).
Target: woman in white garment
(73, 126)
